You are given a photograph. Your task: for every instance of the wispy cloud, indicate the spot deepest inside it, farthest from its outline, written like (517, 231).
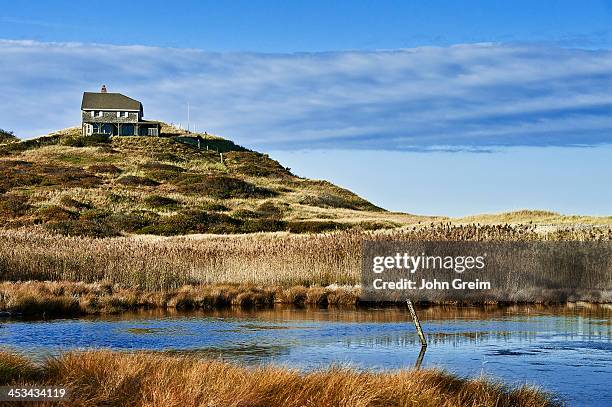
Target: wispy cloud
(463, 97)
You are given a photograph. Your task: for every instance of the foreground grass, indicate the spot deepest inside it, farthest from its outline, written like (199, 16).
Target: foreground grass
(104, 378)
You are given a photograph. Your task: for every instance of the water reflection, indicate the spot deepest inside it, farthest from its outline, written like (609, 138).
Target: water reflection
(563, 349)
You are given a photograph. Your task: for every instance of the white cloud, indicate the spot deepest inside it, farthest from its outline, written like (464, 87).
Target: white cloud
(464, 96)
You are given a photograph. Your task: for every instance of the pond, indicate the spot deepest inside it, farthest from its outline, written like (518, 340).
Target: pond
(566, 350)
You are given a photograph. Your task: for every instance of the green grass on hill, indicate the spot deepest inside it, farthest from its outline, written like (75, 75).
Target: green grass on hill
(171, 185)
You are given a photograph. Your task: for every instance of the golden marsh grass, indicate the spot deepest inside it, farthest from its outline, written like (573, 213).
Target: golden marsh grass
(105, 378)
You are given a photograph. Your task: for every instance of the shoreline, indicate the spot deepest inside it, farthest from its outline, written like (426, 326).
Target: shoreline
(104, 377)
(75, 299)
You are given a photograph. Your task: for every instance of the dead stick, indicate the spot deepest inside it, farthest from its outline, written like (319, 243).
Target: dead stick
(417, 324)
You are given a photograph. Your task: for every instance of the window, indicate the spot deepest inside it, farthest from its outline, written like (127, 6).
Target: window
(119, 114)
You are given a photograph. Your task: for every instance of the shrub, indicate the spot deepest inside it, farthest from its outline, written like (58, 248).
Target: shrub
(193, 221)
(17, 173)
(83, 227)
(130, 222)
(55, 213)
(255, 165)
(12, 206)
(263, 225)
(269, 210)
(245, 214)
(87, 141)
(104, 169)
(222, 187)
(7, 136)
(327, 200)
(158, 201)
(162, 172)
(132, 180)
(214, 207)
(55, 175)
(73, 203)
(314, 226)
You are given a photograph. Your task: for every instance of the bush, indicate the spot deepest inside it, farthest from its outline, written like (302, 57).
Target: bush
(104, 169)
(130, 222)
(87, 141)
(263, 225)
(7, 136)
(55, 175)
(269, 210)
(73, 203)
(222, 187)
(12, 206)
(326, 200)
(193, 221)
(162, 172)
(255, 165)
(214, 207)
(245, 214)
(17, 173)
(83, 227)
(314, 226)
(158, 201)
(55, 213)
(132, 180)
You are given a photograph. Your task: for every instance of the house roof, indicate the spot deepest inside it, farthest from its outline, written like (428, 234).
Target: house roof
(116, 101)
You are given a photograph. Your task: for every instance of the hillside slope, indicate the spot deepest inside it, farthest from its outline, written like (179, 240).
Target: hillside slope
(171, 185)
(7, 137)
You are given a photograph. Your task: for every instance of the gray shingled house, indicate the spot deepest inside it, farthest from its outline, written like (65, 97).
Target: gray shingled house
(114, 114)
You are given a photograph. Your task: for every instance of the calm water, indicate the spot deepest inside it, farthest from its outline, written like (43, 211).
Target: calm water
(564, 350)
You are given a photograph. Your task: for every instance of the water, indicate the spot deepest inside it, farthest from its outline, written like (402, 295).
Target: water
(566, 350)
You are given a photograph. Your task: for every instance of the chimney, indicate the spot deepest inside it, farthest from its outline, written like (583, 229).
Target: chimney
(103, 90)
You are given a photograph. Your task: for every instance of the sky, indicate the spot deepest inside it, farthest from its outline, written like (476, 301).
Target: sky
(397, 101)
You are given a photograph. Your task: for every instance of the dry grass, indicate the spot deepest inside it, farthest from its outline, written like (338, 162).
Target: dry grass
(264, 259)
(65, 298)
(104, 378)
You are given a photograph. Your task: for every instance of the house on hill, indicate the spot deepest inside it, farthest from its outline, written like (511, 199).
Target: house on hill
(114, 114)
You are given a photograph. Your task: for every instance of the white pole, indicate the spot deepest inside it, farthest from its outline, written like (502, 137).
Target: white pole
(188, 118)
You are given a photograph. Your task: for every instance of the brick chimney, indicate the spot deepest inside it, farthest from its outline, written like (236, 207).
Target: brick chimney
(103, 90)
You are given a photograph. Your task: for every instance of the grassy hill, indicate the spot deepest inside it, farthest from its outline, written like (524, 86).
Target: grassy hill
(187, 184)
(172, 185)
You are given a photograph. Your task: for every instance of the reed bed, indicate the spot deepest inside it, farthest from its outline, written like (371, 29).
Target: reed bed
(105, 378)
(264, 259)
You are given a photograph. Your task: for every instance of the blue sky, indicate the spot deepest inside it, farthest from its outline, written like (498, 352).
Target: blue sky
(442, 95)
(314, 25)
